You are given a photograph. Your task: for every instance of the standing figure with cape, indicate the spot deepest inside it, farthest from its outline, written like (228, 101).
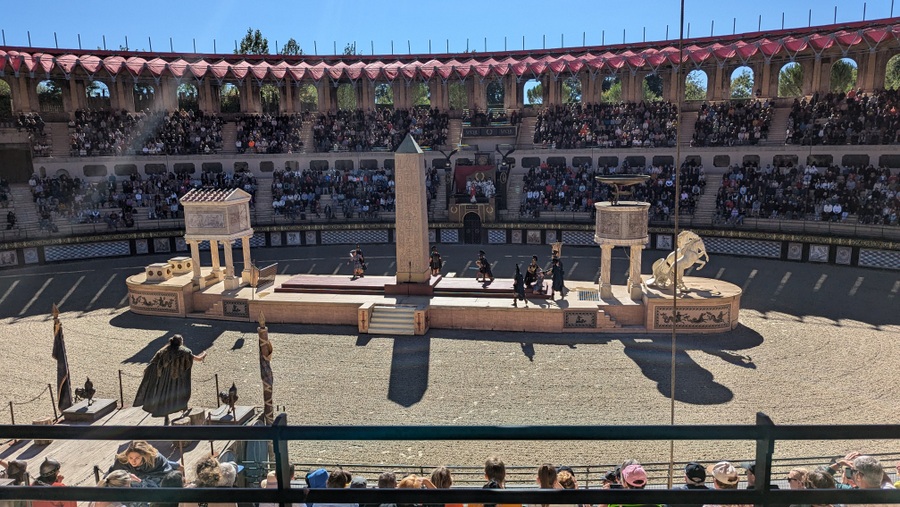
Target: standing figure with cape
(166, 386)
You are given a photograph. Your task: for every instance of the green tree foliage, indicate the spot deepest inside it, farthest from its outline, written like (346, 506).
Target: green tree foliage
(253, 44)
(309, 97)
(96, 89)
(5, 99)
(495, 94)
(742, 85)
(49, 95)
(188, 97)
(459, 98)
(652, 88)
(420, 95)
(694, 88)
(384, 94)
(229, 99)
(843, 75)
(611, 90)
(346, 97)
(535, 95)
(270, 98)
(291, 48)
(571, 90)
(790, 80)
(892, 73)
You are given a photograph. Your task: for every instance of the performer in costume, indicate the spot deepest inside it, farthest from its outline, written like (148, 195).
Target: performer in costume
(484, 268)
(145, 462)
(435, 261)
(166, 386)
(359, 262)
(519, 288)
(531, 271)
(556, 273)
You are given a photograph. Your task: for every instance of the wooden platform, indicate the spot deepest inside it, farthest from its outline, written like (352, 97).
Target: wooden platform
(374, 285)
(78, 457)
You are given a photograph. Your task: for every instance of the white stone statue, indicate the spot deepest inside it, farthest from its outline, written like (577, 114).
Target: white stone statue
(689, 251)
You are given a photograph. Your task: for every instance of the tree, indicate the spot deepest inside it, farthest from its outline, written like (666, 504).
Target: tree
(571, 90)
(49, 95)
(253, 44)
(459, 99)
(420, 94)
(5, 99)
(309, 97)
(536, 95)
(790, 80)
(892, 73)
(694, 89)
(229, 99)
(346, 97)
(270, 97)
(291, 48)
(612, 90)
(843, 75)
(384, 94)
(495, 94)
(652, 88)
(742, 85)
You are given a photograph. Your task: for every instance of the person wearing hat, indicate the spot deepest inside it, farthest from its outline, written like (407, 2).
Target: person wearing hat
(725, 476)
(750, 468)
(633, 477)
(16, 470)
(50, 476)
(435, 261)
(694, 478)
(484, 268)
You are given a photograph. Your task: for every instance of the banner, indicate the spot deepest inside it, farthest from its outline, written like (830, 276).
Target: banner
(489, 132)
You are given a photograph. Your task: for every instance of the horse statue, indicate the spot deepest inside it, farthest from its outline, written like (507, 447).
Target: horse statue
(689, 250)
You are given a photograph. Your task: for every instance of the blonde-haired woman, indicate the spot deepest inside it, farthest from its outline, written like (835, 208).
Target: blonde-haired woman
(143, 461)
(115, 479)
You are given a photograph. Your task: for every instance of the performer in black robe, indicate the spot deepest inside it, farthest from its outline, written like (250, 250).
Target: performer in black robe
(166, 386)
(556, 273)
(484, 268)
(519, 288)
(435, 262)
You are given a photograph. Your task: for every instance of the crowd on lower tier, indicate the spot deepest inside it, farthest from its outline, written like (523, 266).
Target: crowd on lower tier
(845, 118)
(622, 125)
(362, 193)
(574, 189)
(142, 465)
(831, 193)
(732, 123)
(118, 201)
(379, 129)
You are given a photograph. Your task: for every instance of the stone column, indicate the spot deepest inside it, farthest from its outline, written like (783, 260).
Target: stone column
(195, 260)
(214, 255)
(605, 267)
(245, 248)
(230, 281)
(411, 222)
(634, 276)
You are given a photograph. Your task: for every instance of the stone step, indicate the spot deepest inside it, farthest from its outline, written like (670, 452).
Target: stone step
(393, 320)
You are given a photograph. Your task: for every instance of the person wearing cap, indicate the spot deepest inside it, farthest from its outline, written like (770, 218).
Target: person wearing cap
(694, 478)
(50, 476)
(17, 470)
(633, 476)
(725, 476)
(750, 468)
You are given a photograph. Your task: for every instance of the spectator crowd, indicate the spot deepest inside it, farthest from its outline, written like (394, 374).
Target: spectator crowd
(732, 123)
(622, 125)
(379, 129)
(269, 133)
(851, 118)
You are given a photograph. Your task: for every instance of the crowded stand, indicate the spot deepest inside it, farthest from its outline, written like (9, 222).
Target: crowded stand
(269, 133)
(380, 129)
(852, 118)
(117, 202)
(33, 124)
(732, 123)
(566, 189)
(622, 125)
(363, 193)
(828, 194)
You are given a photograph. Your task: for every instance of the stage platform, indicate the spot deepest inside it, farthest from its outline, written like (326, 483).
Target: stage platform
(375, 285)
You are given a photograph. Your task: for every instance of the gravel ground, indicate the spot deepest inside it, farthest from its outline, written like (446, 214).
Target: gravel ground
(797, 368)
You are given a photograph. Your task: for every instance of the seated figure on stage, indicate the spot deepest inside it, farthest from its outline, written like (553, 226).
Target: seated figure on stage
(143, 461)
(166, 386)
(484, 268)
(531, 271)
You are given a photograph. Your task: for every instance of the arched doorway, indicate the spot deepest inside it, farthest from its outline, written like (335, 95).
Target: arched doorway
(472, 229)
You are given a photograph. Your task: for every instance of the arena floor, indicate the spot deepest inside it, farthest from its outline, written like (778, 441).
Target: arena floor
(817, 344)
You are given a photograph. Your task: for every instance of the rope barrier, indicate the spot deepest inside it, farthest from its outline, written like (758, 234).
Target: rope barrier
(126, 374)
(205, 380)
(44, 390)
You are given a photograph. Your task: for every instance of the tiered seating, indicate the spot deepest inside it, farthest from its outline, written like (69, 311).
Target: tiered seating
(269, 133)
(852, 118)
(623, 125)
(382, 129)
(736, 123)
(33, 124)
(811, 193)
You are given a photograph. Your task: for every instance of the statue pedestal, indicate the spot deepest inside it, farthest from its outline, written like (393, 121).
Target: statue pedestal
(622, 224)
(82, 412)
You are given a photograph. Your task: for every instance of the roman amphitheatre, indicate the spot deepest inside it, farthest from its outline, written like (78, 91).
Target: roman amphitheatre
(791, 181)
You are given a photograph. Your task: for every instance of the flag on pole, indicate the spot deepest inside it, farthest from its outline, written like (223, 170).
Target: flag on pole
(63, 382)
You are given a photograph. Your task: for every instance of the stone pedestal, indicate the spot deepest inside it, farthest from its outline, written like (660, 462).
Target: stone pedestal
(622, 224)
(82, 412)
(412, 221)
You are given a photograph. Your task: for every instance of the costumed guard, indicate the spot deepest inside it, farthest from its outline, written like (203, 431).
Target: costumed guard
(556, 275)
(359, 262)
(484, 268)
(435, 261)
(166, 386)
(519, 288)
(531, 271)
(538, 287)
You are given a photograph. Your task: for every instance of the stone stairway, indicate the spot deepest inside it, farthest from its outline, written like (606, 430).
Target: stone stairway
(706, 204)
(604, 321)
(393, 320)
(526, 131)
(454, 133)
(686, 128)
(778, 127)
(229, 135)
(513, 196)
(59, 139)
(26, 211)
(307, 135)
(439, 203)
(263, 214)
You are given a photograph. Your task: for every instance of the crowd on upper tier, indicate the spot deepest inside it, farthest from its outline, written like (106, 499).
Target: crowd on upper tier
(831, 193)
(621, 125)
(379, 129)
(142, 465)
(732, 123)
(845, 118)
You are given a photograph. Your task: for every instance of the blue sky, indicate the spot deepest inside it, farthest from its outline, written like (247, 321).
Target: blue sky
(319, 26)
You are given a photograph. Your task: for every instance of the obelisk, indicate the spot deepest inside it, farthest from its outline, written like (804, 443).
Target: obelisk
(411, 223)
